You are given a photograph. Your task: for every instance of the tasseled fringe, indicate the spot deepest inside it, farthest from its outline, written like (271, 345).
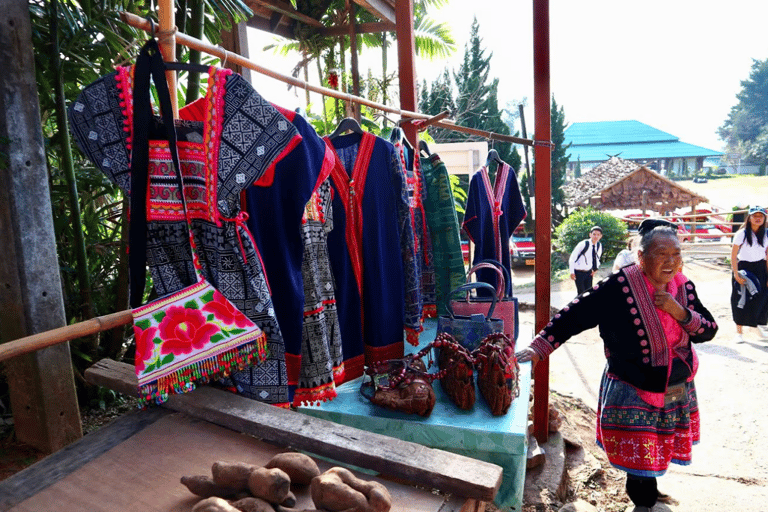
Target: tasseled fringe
(430, 311)
(215, 367)
(313, 396)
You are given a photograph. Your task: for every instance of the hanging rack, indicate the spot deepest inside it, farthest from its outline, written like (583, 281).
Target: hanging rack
(168, 37)
(197, 44)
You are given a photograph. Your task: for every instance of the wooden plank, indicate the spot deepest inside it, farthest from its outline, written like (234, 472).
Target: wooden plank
(380, 8)
(415, 463)
(142, 472)
(57, 466)
(288, 10)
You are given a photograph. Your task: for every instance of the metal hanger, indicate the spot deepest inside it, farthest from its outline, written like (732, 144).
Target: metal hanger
(424, 148)
(493, 156)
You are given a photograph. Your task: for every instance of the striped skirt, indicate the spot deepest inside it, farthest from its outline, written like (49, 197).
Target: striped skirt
(642, 439)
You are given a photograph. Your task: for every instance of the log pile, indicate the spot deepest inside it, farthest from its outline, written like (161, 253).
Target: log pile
(619, 184)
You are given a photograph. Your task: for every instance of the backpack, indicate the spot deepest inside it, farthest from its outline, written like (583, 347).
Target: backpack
(584, 250)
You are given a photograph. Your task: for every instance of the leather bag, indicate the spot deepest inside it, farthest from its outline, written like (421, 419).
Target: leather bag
(506, 306)
(470, 329)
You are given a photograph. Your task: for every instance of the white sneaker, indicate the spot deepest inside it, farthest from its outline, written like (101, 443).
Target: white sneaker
(763, 332)
(738, 338)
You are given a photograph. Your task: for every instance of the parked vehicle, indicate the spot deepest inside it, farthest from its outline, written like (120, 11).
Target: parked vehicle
(522, 249)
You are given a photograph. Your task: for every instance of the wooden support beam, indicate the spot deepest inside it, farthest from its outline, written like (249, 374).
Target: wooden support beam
(360, 28)
(417, 464)
(265, 26)
(41, 385)
(406, 59)
(542, 119)
(288, 10)
(379, 8)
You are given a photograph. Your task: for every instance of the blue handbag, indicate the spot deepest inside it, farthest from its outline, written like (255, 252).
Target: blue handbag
(470, 330)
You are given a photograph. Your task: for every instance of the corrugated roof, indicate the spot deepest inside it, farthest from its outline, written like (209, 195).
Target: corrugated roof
(615, 132)
(647, 151)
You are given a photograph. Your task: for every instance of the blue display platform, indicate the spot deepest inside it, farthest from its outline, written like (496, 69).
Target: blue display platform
(500, 440)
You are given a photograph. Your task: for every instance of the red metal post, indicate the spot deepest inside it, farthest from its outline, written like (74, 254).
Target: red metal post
(406, 55)
(543, 195)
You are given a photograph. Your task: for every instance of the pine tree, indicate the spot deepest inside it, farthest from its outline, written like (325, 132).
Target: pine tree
(559, 162)
(577, 169)
(476, 104)
(746, 129)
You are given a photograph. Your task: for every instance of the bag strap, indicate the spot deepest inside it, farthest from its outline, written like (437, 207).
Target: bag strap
(584, 250)
(473, 286)
(150, 63)
(504, 280)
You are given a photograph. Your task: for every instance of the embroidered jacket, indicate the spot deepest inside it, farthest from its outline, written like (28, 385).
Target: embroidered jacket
(633, 336)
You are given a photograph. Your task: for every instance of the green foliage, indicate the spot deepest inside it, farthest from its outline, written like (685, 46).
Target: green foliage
(559, 161)
(576, 228)
(746, 128)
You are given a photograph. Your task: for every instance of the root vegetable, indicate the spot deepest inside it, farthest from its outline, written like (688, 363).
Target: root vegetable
(232, 474)
(214, 505)
(271, 484)
(338, 489)
(289, 501)
(253, 505)
(205, 487)
(299, 467)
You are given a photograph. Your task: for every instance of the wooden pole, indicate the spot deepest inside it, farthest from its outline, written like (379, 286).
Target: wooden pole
(42, 386)
(406, 54)
(543, 159)
(191, 42)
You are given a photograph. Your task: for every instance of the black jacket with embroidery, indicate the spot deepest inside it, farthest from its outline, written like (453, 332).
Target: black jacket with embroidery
(633, 336)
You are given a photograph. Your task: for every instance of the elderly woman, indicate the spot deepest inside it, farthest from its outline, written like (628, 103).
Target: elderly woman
(649, 315)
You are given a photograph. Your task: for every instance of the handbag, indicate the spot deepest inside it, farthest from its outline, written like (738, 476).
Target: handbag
(194, 335)
(469, 330)
(506, 305)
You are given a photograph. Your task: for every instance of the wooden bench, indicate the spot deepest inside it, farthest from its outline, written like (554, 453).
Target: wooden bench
(136, 461)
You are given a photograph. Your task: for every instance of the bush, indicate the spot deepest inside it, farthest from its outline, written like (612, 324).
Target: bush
(576, 228)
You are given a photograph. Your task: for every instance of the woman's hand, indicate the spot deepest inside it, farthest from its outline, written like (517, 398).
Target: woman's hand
(739, 278)
(527, 354)
(663, 300)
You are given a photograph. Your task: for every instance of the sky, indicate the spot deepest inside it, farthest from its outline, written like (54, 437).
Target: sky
(676, 65)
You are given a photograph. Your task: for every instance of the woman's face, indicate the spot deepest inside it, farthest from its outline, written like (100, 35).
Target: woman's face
(662, 259)
(756, 220)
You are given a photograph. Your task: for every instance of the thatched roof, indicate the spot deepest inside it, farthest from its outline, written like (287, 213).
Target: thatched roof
(619, 184)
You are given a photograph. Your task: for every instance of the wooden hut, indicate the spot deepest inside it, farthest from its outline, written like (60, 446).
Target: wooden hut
(619, 184)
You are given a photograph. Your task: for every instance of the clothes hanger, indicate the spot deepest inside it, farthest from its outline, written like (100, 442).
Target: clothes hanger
(347, 124)
(424, 148)
(398, 135)
(493, 156)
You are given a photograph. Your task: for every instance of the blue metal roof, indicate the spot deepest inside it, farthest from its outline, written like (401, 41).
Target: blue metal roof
(647, 151)
(614, 132)
(630, 140)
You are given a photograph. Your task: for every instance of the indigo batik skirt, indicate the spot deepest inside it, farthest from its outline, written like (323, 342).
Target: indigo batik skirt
(642, 439)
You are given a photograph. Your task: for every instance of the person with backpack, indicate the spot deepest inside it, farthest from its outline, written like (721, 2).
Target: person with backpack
(749, 295)
(585, 259)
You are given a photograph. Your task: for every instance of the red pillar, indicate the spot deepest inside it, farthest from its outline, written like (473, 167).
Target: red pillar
(406, 58)
(543, 195)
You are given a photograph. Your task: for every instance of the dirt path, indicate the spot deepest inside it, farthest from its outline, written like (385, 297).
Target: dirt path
(730, 466)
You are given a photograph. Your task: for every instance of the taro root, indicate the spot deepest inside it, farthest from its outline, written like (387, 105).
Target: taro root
(205, 487)
(300, 468)
(232, 474)
(214, 505)
(253, 505)
(270, 484)
(339, 490)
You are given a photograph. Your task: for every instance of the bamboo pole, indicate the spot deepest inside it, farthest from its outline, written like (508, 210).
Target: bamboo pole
(197, 44)
(55, 336)
(166, 39)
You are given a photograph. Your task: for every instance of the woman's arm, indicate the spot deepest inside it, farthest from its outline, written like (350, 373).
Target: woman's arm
(735, 264)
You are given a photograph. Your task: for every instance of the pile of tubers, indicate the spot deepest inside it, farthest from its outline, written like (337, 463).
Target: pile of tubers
(241, 487)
